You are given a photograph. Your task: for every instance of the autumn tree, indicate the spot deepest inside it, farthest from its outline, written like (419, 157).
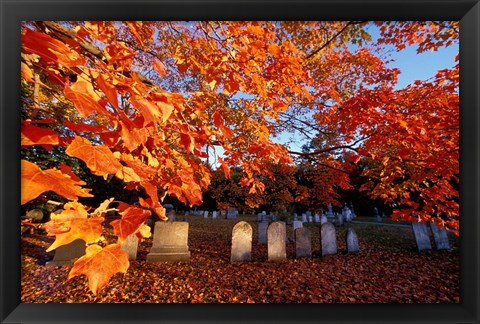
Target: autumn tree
(146, 102)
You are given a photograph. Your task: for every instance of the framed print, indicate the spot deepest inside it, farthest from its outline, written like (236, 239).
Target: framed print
(160, 153)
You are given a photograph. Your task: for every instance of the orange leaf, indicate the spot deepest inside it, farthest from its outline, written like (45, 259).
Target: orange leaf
(144, 232)
(50, 49)
(33, 135)
(87, 229)
(159, 67)
(131, 221)
(108, 89)
(27, 73)
(99, 159)
(187, 141)
(135, 29)
(36, 181)
(220, 123)
(86, 101)
(100, 264)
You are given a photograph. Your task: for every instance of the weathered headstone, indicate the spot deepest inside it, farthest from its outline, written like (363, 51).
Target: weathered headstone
(303, 242)
(205, 214)
(440, 237)
(330, 211)
(323, 219)
(328, 239)
(214, 214)
(295, 216)
(352, 241)
(170, 243)
(232, 213)
(276, 242)
(421, 236)
(304, 218)
(241, 242)
(347, 214)
(340, 219)
(66, 254)
(296, 224)
(130, 246)
(262, 232)
(171, 215)
(317, 218)
(310, 218)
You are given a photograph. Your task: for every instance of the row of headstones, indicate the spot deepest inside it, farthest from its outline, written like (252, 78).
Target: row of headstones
(230, 213)
(276, 238)
(170, 243)
(422, 237)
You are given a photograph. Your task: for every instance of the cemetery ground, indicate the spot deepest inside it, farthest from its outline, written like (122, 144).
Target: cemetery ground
(388, 269)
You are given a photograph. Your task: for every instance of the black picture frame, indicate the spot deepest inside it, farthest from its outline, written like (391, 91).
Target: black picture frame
(15, 11)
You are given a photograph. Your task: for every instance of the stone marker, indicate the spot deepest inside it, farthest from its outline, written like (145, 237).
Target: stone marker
(171, 215)
(170, 243)
(276, 242)
(296, 224)
(130, 246)
(421, 236)
(241, 242)
(328, 239)
(352, 241)
(330, 211)
(340, 219)
(304, 218)
(303, 242)
(323, 219)
(440, 237)
(317, 218)
(262, 232)
(66, 254)
(205, 214)
(232, 213)
(214, 214)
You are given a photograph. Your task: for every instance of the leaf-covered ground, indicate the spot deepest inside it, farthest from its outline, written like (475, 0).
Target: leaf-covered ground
(388, 269)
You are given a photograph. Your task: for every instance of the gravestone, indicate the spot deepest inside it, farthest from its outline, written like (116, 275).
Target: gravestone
(330, 211)
(170, 243)
(65, 255)
(323, 219)
(310, 218)
(205, 214)
(259, 217)
(232, 213)
(35, 214)
(317, 218)
(347, 214)
(214, 214)
(421, 236)
(303, 242)
(304, 218)
(328, 239)
(171, 215)
(295, 216)
(241, 242)
(296, 224)
(262, 232)
(130, 246)
(352, 241)
(340, 219)
(440, 237)
(276, 242)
